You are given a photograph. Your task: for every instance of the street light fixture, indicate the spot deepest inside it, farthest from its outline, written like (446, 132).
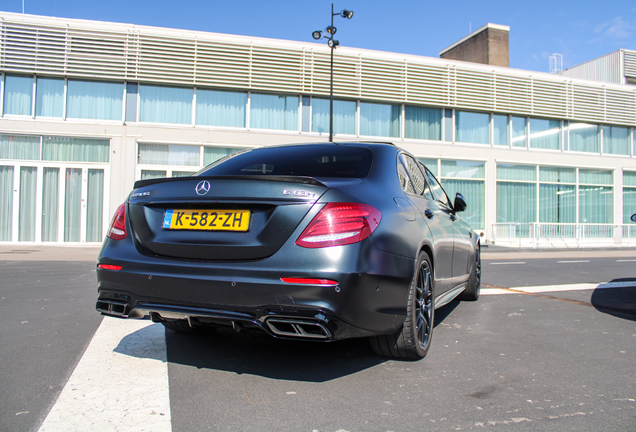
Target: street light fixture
(332, 43)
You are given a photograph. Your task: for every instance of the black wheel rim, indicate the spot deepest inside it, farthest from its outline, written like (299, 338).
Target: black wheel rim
(424, 305)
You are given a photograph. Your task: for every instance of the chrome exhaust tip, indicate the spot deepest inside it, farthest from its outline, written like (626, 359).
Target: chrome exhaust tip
(298, 328)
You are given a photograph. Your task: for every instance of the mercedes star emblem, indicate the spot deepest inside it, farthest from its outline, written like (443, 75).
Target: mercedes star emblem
(203, 187)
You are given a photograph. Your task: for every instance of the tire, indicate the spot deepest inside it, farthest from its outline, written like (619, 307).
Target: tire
(471, 293)
(413, 340)
(180, 326)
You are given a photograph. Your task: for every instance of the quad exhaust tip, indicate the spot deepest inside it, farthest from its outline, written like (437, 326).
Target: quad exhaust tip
(298, 328)
(111, 307)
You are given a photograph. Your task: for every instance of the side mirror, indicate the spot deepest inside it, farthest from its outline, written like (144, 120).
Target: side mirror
(633, 218)
(460, 203)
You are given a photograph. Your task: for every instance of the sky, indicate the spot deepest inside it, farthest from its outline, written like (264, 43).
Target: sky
(578, 30)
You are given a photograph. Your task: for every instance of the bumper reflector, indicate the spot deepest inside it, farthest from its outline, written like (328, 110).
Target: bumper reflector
(108, 267)
(307, 281)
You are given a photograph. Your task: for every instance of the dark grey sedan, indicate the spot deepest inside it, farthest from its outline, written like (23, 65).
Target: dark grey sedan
(310, 241)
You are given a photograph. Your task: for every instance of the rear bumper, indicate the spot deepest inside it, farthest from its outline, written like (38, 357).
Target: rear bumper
(369, 299)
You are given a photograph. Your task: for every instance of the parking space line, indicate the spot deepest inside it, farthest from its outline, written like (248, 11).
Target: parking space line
(626, 260)
(507, 263)
(120, 383)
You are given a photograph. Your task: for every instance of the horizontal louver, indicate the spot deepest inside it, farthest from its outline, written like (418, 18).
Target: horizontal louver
(83, 49)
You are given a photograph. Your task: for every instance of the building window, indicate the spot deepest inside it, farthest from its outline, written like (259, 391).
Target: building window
(431, 164)
(516, 193)
(69, 149)
(49, 97)
(344, 116)
(423, 123)
(467, 178)
(596, 196)
(545, 134)
(96, 100)
(18, 94)
(270, 111)
(19, 147)
(616, 140)
(519, 132)
(381, 120)
(221, 108)
(629, 195)
(168, 154)
(500, 129)
(471, 127)
(584, 137)
(557, 195)
(161, 104)
(212, 154)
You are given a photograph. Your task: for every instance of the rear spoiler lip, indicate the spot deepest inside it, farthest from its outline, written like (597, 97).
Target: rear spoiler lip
(288, 179)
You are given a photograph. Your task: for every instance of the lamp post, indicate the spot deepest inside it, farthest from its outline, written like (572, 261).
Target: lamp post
(333, 43)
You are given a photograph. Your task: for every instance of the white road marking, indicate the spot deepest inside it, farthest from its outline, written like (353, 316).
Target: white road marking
(507, 263)
(120, 383)
(629, 260)
(572, 262)
(557, 288)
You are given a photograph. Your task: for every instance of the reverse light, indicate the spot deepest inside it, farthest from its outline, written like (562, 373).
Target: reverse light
(108, 267)
(340, 224)
(117, 229)
(308, 281)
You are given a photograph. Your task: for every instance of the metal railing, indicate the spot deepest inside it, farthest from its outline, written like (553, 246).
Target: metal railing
(552, 235)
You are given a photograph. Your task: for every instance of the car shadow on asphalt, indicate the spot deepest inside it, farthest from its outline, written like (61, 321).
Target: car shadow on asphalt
(619, 302)
(257, 353)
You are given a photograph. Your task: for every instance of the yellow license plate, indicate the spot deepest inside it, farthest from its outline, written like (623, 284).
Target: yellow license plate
(211, 220)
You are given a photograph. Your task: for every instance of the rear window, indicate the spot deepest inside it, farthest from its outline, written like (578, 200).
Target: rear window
(306, 160)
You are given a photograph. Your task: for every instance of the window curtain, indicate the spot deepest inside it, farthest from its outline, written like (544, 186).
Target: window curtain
(94, 205)
(213, 154)
(168, 154)
(557, 203)
(474, 192)
(6, 202)
(422, 123)
(160, 104)
(516, 202)
(95, 100)
(344, 116)
(584, 137)
(431, 164)
(18, 93)
(380, 120)
(182, 173)
(516, 172)
(49, 97)
(599, 177)
(472, 127)
(26, 222)
(519, 131)
(73, 205)
(557, 174)
(220, 108)
(629, 204)
(152, 174)
(545, 134)
(20, 147)
(270, 111)
(50, 200)
(616, 140)
(596, 204)
(500, 137)
(68, 149)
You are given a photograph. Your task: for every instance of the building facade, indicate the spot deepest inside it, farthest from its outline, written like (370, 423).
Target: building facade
(90, 107)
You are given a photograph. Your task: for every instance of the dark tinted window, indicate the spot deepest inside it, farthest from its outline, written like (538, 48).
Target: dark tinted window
(308, 160)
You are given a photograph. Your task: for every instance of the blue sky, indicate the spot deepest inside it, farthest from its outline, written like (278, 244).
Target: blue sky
(579, 30)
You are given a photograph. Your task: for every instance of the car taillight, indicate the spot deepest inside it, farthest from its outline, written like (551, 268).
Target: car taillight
(117, 230)
(340, 224)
